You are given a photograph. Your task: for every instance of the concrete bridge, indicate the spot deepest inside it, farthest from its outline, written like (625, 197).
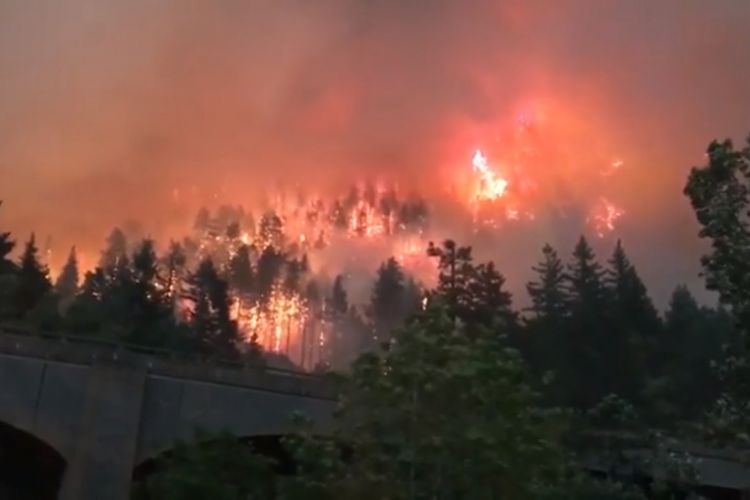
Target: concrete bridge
(94, 410)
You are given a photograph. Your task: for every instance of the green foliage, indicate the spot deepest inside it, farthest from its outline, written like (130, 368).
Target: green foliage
(213, 466)
(440, 415)
(719, 194)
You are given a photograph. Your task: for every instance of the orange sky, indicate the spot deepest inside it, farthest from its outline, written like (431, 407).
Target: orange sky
(107, 108)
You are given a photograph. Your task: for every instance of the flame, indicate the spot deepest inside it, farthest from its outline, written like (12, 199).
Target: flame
(490, 186)
(603, 217)
(282, 323)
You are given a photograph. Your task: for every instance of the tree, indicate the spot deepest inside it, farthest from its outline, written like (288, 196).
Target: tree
(215, 332)
(437, 415)
(7, 266)
(632, 305)
(719, 194)
(269, 269)
(337, 308)
(271, 230)
(491, 305)
(548, 295)
(7, 274)
(148, 303)
(587, 375)
(455, 272)
(241, 276)
(115, 251)
(339, 303)
(388, 307)
(217, 466)
(66, 286)
(174, 264)
(693, 340)
(635, 325)
(33, 280)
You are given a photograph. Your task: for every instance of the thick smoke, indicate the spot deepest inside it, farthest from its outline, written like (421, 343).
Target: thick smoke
(145, 110)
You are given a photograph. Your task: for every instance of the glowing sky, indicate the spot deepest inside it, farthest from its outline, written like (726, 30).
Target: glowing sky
(107, 108)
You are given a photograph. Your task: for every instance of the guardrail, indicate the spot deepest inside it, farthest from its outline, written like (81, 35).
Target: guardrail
(118, 347)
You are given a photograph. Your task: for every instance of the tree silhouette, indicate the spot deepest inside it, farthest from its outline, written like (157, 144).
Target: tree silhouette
(455, 272)
(215, 332)
(67, 282)
(33, 280)
(115, 251)
(388, 307)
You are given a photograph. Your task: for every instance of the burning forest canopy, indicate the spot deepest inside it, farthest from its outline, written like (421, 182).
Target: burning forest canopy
(368, 128)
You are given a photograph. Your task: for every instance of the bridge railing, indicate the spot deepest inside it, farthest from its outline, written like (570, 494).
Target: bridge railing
(98, 347)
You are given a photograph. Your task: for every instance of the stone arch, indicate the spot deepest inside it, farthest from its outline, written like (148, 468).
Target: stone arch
(30, 468)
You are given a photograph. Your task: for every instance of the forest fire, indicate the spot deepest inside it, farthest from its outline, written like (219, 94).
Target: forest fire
(604, 216)
(491, 186)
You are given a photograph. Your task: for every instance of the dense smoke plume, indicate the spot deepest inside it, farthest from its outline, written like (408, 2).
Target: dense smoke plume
(143, 111)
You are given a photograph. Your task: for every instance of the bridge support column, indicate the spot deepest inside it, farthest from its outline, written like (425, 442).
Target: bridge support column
(102, 462)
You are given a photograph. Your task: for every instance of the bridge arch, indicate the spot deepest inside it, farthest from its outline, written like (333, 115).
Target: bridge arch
(30, 468)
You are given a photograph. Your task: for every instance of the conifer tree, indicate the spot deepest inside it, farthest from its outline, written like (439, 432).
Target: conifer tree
(7, 274)
(115, 251)
(388, 306)
(455, 272)
(7, 266)
(269, 270)
(490, 305)
(67, 283)
(548, 294)
(33, 280)
(632, 305)
(215, 332)
(549, 315)
(174, 264)
(241, 276)
(588, 372)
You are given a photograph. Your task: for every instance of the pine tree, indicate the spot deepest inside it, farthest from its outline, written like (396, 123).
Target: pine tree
(33, 280)
(293, 276)
(174, 264)
(491, 305)
(241, 276)
(66, 286)
(271, 230)
(339, 302)
(455, 272)
(388, 306)
(630, 298)
(548, 295)
(216, 333)
(269, 270)
(337, 308)
(7, 266)
(587, 374)
(549, 315)
(115, 251)
(7, 274)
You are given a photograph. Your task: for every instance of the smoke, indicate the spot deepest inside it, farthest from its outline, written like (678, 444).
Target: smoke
(145, 110)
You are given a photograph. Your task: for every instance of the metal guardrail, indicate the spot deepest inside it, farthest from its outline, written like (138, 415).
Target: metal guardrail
(119, 346)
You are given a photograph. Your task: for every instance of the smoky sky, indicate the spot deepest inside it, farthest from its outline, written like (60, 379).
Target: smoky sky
(112, 111)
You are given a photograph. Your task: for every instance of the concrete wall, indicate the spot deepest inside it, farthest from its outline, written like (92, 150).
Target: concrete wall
(106, 412)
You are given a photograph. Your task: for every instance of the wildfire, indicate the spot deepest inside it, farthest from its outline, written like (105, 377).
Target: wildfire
(604, 216)
(283, 323)
(490, 186)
